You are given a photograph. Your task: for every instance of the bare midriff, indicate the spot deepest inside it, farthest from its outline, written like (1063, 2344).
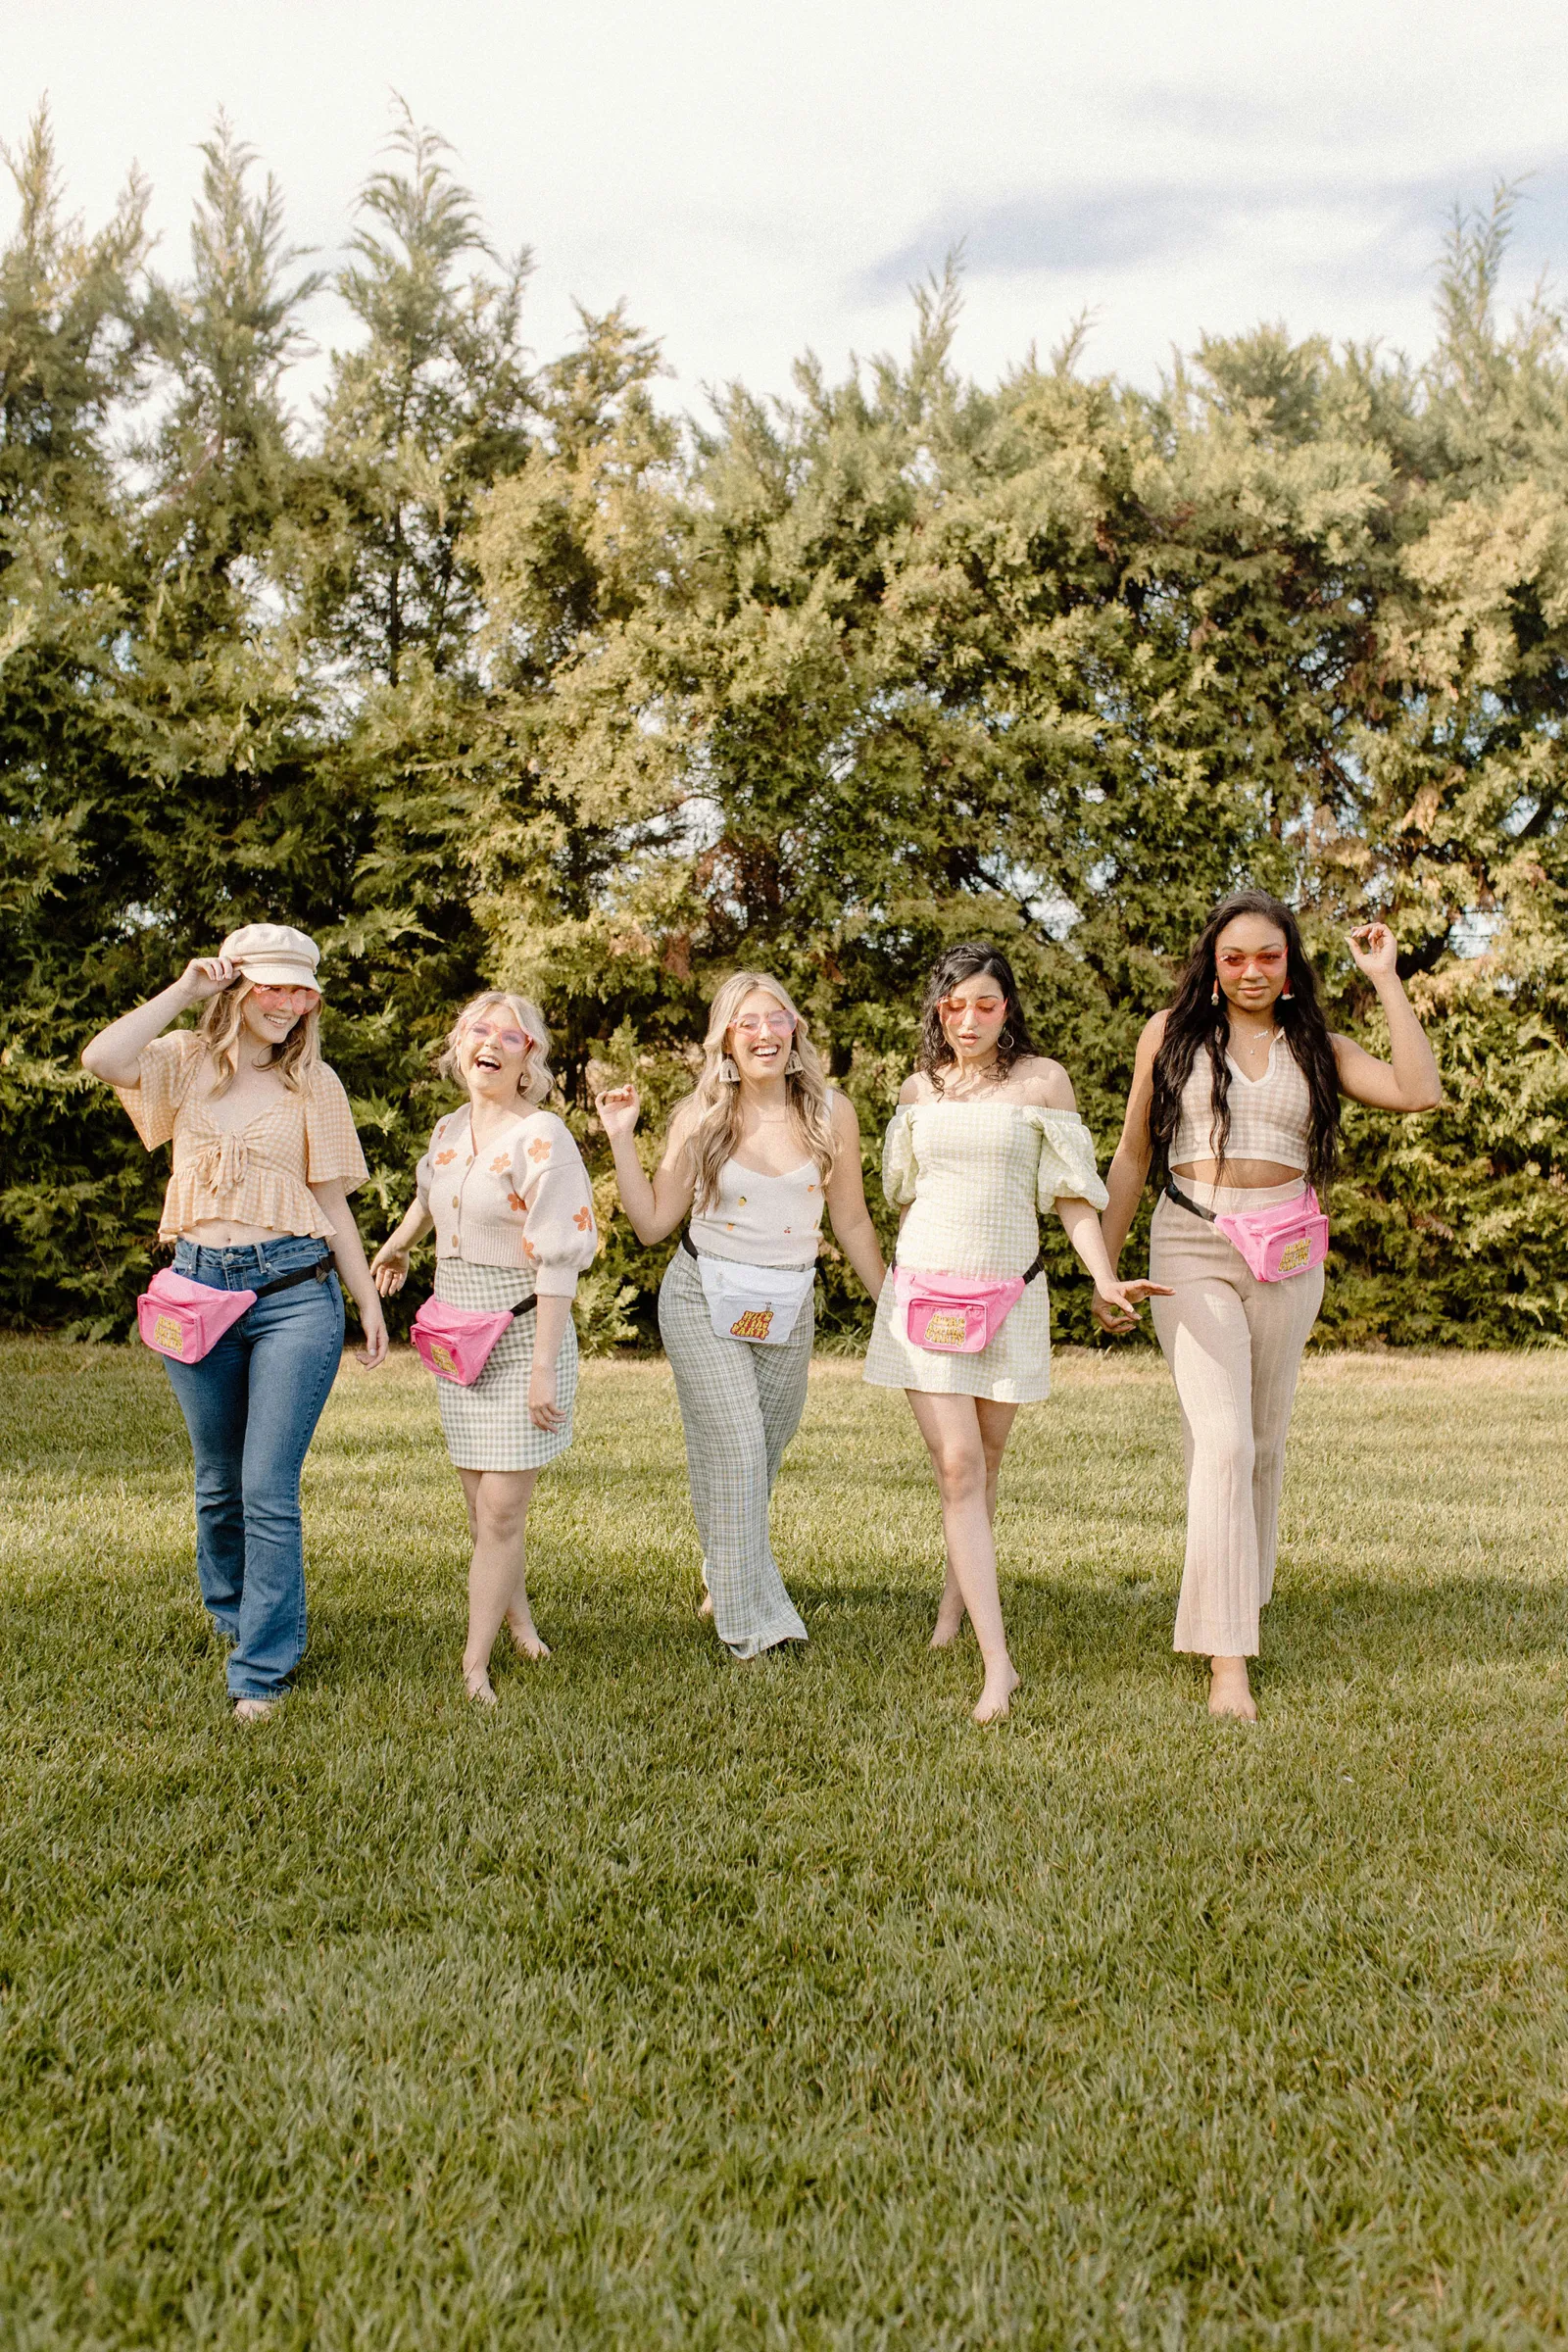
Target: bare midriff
(1245, 1174)
(214, 1234)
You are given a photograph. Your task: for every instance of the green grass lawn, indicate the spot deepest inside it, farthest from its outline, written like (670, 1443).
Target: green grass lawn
(678, 2003)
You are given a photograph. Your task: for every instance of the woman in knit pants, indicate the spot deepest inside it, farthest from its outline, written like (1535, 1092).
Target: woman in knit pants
(1236, 1105)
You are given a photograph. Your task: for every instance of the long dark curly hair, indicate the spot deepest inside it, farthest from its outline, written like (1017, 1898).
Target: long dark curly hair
(968, 962)
(1194, 1020)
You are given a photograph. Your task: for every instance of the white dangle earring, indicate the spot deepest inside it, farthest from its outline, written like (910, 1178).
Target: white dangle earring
(794, 1063)
(728, 1074)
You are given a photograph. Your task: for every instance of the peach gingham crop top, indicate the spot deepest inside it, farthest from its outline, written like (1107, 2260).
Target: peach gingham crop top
(257, 1174)
(1270, 1116)
(525, 1200)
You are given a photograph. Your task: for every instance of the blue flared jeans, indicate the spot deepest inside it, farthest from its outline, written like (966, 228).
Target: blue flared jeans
(251, 1407)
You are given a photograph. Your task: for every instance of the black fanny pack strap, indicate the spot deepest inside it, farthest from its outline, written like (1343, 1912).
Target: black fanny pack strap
(1182, 1202)
(286, 1282)
(688, 1244)
(1029, 1272)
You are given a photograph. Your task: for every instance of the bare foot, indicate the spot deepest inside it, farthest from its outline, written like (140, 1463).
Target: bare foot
(1000, 1685)
(704, 1607)
(950, 1615)
(1229, 1690)
(476, 1683)
(525, 1637)
(254, 1710)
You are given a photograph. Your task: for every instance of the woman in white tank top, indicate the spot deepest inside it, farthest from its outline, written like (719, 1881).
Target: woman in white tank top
(1236, 1103)
(754, 1154)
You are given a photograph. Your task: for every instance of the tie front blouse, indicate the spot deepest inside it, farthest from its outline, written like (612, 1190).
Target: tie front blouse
(524, 1201)
(258, 1173)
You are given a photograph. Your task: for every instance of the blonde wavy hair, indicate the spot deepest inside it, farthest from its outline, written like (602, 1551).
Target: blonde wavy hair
(537, 1079)
(296, 1060)
(716, 1128)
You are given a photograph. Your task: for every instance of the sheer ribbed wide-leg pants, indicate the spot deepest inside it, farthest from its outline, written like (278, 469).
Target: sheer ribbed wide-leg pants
(1234, 1345)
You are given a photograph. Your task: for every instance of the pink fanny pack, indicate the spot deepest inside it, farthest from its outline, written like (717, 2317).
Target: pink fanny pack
(956, 1315)
(186, 1319)
(1290, 1237)
(457, 1342)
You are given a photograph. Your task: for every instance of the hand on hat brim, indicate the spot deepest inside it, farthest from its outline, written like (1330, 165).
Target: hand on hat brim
(269, 975)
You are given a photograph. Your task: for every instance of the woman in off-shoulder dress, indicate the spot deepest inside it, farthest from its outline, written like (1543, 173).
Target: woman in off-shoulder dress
(986, 1140)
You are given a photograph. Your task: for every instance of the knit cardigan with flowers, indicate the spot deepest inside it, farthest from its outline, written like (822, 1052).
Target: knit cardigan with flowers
(524, 1200)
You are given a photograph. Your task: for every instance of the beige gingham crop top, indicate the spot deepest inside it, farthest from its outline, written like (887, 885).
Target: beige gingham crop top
(525, 1200)
(258, 1174)
(1270, 1116)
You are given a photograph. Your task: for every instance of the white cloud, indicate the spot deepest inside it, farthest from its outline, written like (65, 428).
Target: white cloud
(756, 178)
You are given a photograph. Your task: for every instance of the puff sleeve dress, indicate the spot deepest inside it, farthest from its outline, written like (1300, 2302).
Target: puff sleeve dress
(976, 1178)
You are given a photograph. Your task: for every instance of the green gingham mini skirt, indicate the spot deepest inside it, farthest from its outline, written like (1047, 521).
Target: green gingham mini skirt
(487, 1427)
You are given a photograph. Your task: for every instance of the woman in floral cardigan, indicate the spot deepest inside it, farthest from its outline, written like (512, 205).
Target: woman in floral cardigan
(505, 1187)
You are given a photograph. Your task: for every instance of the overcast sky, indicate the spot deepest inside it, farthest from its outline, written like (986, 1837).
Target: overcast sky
(756, 179)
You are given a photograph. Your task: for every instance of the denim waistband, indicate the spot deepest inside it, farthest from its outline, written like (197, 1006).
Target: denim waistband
(248, 1264)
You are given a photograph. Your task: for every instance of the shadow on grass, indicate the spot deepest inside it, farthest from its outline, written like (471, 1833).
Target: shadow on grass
(1313, 1634)
(1309, 1633)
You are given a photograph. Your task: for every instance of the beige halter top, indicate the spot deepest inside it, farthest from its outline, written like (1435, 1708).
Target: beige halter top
(1270, 1116)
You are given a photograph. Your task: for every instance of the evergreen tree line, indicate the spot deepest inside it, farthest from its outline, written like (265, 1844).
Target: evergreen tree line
(494, 672)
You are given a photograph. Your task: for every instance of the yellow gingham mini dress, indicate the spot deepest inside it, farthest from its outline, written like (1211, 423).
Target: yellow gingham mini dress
(977, 1178)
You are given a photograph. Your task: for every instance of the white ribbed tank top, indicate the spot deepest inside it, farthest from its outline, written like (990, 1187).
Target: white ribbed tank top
(1270, 1116)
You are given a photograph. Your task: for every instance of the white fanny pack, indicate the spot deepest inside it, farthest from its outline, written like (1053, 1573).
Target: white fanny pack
(759, 1303)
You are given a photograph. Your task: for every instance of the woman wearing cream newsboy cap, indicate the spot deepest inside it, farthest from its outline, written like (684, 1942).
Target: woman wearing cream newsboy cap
(265, 1155)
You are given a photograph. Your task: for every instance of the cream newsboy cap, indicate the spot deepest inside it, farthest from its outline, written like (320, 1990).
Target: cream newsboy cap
(275, 953)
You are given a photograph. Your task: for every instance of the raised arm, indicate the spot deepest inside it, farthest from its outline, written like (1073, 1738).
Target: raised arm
(654, 1208)
(845, 1197)
(1408, 1080)
(114, 1053)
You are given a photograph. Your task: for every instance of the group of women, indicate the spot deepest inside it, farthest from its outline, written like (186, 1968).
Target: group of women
(1234, 1108)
